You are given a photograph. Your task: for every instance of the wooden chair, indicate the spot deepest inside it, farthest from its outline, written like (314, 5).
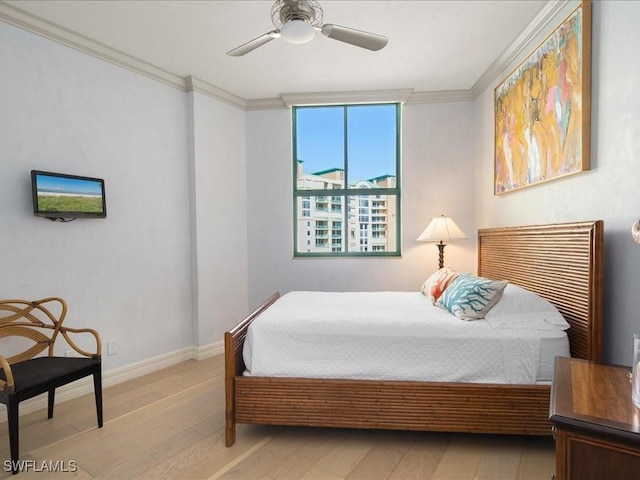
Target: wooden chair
(24, 375)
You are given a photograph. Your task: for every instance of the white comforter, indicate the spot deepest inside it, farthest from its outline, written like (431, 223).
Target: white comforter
(384, 336)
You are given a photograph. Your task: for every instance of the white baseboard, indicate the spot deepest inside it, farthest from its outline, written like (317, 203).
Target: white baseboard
(118, 375)
(208, 351)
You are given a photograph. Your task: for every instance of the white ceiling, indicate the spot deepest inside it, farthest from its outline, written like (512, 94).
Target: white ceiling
(433, 45)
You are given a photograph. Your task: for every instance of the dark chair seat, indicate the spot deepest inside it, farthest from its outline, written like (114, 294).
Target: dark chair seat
(37, 373)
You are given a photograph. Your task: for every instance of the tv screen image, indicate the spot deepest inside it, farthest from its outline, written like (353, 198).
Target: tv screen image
(58, 195)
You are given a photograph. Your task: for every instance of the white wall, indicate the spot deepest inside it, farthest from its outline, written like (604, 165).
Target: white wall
(219, 230)
(609, 191)
(127, 275)
(437, 178)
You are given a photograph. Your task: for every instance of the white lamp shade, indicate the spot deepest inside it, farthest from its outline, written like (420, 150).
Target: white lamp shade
(441, 229)
(297, 31)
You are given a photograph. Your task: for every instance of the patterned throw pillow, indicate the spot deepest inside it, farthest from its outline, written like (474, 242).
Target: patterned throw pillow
(437, 283)
(469, 297)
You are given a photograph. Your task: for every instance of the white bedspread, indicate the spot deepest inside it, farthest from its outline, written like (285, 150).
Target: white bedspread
(384, 336)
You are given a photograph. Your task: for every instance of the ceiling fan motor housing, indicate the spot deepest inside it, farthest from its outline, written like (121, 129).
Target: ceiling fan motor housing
(284, 11)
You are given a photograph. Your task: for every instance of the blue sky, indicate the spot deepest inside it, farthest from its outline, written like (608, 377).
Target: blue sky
(68, 185)
(372, 139)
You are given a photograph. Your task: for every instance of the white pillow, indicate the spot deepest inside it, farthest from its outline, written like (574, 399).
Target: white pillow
(520, 308)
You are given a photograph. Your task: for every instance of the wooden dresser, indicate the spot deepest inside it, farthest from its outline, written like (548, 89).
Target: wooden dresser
(597, 426)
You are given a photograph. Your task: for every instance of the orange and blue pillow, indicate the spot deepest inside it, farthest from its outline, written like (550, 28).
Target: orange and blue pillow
(469, 297)
(437, 283)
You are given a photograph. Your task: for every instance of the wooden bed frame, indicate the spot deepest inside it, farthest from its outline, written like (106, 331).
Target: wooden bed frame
(561, 262)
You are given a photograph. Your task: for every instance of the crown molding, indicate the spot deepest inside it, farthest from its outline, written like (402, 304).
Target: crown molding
(288, 100)
(44, 28)
(338, 98)
(196, 85)
(441, 96)
(517, 47)
(266, 104)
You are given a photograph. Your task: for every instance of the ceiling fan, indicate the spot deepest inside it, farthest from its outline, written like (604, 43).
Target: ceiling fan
(298, 21)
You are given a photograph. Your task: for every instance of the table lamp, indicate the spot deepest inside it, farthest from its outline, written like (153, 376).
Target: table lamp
(441, 229)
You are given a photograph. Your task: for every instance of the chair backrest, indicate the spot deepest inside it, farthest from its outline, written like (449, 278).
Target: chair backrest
(34, 321)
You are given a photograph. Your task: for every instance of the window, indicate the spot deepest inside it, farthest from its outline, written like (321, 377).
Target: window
(354, 151)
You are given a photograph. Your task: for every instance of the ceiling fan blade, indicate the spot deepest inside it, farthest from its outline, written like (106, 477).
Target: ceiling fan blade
(253, 44)
(370, 41)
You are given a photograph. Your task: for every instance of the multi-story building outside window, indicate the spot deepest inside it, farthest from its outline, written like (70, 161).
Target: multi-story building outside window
(353, 151)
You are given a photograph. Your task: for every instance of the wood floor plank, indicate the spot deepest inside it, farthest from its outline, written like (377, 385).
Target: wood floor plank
(161, 387)
(137, 463)
(152, 432)
(209, 455)
(319, 474)
(342, 459)
(131, 428)
(377, 464)
(222, 459)
(461, 460)
(190, 463)
(501, 460)
(275, 457)
(383, 458)
(38, 437)
(312, 447)
(422, 459)
(538, 459)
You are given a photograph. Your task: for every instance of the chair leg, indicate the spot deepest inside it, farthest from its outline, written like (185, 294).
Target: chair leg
(12, 417)
(52, 396)
(97, 386)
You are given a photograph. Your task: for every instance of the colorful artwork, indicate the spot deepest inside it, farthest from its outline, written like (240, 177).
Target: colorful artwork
(542, 110)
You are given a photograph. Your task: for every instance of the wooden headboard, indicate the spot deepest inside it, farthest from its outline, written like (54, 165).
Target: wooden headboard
(562, 263)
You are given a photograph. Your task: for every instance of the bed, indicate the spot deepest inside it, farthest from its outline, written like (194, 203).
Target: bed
(562, 263)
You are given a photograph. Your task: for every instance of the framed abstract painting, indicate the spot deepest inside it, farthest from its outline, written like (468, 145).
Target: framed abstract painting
(543, 109)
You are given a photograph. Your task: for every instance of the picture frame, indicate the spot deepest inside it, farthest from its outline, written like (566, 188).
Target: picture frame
(543, 109)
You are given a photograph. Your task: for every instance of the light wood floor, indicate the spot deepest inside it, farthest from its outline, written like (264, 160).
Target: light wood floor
(170, 424)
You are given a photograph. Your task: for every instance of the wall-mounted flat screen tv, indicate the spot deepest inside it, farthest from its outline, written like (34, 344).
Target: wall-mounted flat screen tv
(58, 195)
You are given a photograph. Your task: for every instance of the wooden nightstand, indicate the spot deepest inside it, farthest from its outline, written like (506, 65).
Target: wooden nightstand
(597, 426)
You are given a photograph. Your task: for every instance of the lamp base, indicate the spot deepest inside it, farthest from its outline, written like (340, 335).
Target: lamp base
(441, 253)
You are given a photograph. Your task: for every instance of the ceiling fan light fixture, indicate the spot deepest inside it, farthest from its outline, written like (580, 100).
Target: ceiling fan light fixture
(297, 31)
(298, 21)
